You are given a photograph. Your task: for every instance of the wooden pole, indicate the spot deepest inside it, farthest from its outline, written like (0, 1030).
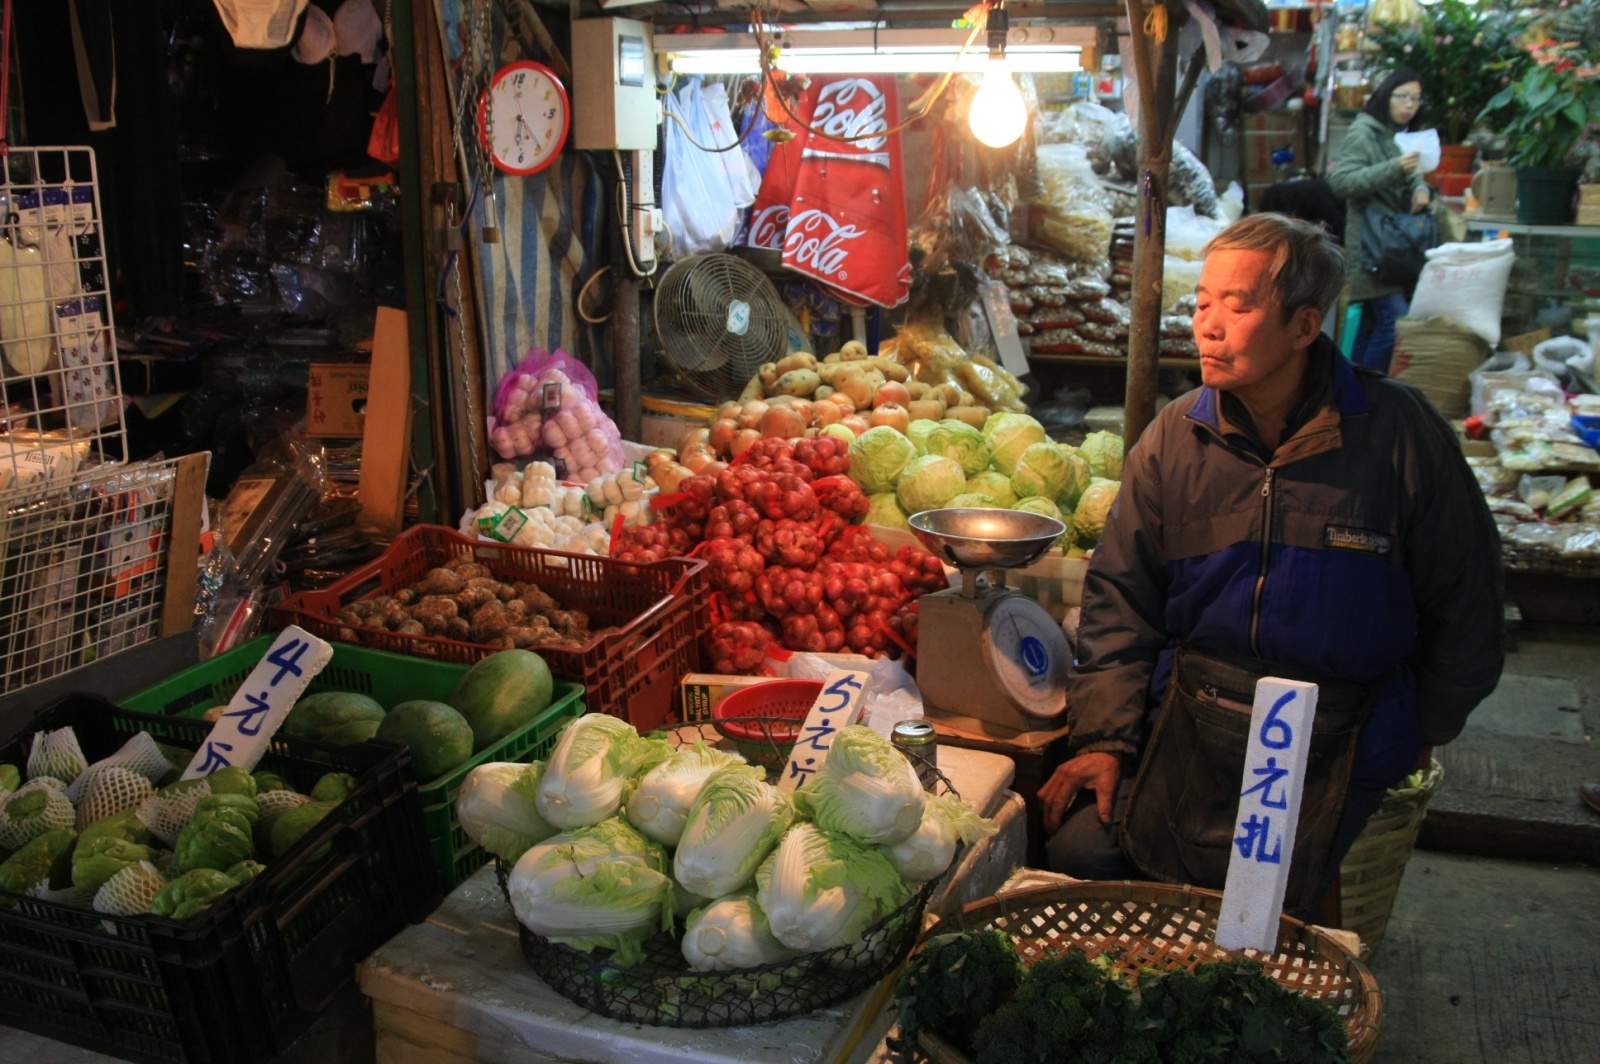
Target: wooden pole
(1156, 67)
(625, 356)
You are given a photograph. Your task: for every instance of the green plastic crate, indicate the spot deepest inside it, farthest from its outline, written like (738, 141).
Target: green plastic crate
(388, 679)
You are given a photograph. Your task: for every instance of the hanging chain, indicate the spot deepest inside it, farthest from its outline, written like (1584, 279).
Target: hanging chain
(477, 64)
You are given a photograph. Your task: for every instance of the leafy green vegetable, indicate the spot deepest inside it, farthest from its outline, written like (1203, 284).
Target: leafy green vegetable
(733, 824)
(498, 808)
(917, 432)
(602, 886)
(973, 500)
(1103, 451)
(928, 851)
(821, 890)
(215, 839)
(1089, 519)
(191, 894)
(588, 770)
(46, 858)
(960, 441)
(953, 982)
(731, 932)
(1048, 469)
(993, 484)
(877, 458)
(659, 805)
(930, 482)
(884, 509)
(1008, 435)
(98, 858)
(866, 789)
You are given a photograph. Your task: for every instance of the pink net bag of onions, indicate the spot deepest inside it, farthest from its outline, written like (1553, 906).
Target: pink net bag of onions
(548, 407)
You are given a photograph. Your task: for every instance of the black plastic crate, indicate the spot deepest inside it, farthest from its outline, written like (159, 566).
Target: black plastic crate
(245, 979)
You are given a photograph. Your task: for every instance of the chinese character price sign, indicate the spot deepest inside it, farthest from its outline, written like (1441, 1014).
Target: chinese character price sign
(836, 707)
(1269, 809)
(246, 728)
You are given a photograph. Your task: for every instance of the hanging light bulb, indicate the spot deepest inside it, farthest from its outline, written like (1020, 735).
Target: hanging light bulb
(998, 115)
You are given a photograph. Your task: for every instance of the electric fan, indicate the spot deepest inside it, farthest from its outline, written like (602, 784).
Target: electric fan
(719, 321)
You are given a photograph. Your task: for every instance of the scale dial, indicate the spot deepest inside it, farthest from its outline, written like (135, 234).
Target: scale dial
(1027, 656)
(523, 117)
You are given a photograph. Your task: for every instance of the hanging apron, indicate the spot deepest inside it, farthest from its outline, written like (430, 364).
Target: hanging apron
(1185, 799)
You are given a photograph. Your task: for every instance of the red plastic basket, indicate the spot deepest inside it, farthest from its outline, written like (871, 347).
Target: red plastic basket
(658, 612)
(763, 720)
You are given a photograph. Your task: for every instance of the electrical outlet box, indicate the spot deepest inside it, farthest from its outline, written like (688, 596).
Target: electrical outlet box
(614, 85)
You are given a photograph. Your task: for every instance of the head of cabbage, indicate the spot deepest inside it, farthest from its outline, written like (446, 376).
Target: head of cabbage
(877, 458)
(995, 485)
(1038, 504)
(1041, 469)
(884, 509)
(917, 433)
(971, 500)
(1008, 435)
(960, 441)
(1089, 520)
(930, 482)
(1103, 450)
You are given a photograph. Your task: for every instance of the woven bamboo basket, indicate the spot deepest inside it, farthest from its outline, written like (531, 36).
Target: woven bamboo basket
(1159, 925)
(1369, 877)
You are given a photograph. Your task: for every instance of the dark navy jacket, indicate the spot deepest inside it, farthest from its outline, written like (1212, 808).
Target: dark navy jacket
(1362, 548)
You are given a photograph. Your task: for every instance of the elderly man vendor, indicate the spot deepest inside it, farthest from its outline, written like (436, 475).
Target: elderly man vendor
(1294, 517)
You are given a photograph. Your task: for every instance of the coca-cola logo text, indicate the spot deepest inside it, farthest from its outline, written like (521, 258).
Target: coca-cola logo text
(767, 226)
(852, 107)
(814, 240)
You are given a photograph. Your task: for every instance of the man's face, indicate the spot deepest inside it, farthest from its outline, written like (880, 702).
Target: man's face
(1238, 322)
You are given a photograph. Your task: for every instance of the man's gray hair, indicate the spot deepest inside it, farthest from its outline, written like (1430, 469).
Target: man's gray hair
(1307, 266)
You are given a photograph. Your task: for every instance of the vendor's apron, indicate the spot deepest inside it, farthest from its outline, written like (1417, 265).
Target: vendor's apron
(1180, 818)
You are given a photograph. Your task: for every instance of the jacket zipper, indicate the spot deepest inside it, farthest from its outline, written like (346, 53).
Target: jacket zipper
(1267, 500)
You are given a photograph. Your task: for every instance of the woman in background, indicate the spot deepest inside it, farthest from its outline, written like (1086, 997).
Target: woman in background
(1371, 171)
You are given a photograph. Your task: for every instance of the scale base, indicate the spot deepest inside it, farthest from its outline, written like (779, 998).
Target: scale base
(958, 679)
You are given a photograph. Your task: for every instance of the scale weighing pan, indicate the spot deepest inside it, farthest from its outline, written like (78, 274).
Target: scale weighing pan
(982, 538)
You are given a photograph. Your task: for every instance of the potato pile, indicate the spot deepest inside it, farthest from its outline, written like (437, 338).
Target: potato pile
(462, 600)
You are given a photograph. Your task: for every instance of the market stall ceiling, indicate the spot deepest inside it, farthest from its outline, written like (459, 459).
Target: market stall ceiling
(848, 48)
(1251, 14)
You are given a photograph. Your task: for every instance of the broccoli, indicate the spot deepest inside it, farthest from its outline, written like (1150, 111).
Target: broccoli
(956, 981)
(1067, 1009)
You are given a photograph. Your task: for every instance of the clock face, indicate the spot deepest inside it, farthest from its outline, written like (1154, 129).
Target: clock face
(523, 117)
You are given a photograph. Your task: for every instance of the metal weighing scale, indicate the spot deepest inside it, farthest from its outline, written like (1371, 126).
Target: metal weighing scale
(997, 661)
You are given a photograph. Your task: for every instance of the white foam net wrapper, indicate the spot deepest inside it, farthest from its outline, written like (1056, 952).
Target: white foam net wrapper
(274, 804)
(167, 815)
(68, 895)
(130, 891)
(57, 813)
(110, 790)
(57, 753)
(139, 754)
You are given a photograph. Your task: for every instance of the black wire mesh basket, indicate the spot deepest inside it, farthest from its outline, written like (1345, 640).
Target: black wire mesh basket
(663, 991)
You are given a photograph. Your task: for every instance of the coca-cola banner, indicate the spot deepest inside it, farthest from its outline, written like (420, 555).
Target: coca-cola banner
(847, 210)
(769, 217)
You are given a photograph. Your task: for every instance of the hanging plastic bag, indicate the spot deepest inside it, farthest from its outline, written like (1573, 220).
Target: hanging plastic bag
(743, 178)
(697, 199)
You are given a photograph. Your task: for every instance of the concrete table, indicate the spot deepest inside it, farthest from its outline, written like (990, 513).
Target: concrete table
(456, 988)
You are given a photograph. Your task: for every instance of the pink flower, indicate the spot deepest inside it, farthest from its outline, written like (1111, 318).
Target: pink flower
(1449, 38)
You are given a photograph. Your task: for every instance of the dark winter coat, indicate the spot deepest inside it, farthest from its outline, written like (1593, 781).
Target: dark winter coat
(1368, 172)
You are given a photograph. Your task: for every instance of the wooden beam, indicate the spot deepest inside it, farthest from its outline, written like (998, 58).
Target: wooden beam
(625, 355)
(1156, 68)
(183, 543)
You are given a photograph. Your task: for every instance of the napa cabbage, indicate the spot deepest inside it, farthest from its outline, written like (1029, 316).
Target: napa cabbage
(602, 886)
(821, 890)
(928, 851)
(499, 810)
(732, 932)
(734, 823)
(866, 789)
(659, 805)
(587, 772)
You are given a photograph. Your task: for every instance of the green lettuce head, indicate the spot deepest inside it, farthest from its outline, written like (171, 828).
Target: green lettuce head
(1103, 450)
(733, 824)
(884, 509)
(917, 433)
(1089, 520)
(1008, 435)
(191, 894)
(960, 441)
(929, 483)
(1042, 469)
(993, 484)
(878, 457)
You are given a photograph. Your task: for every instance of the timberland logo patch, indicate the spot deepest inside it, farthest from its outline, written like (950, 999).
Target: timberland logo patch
(1362, 539)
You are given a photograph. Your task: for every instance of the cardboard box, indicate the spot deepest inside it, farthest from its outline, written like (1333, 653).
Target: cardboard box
(336, 400)
(386, 443)
(1588, 214)
(1272, 122)
(1258, 149)
(699, 692)
(1588, 196)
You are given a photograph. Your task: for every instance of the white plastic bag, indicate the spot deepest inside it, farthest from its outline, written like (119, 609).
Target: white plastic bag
(1188, 233)
(696, 199)
(892, 694)
(743, 179)
(1425, 143)
(1466, 282)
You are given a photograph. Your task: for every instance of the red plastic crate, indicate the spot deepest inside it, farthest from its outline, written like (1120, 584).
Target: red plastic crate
(660, 611)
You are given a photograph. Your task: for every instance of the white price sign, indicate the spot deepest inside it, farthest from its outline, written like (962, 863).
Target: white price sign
(837, 707)
(257, 709)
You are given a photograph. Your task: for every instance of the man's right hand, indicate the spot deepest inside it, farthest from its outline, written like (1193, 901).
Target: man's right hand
(1409, 162)
(1098, 771)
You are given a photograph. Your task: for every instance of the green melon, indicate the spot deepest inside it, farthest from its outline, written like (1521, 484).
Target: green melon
(439, 737)
(357, 731)
(315, 716)
(501, 693)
